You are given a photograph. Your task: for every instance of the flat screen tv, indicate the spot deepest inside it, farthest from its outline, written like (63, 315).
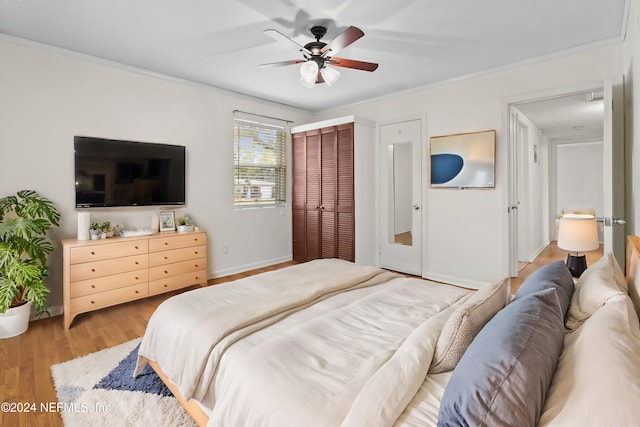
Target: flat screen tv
(127, 173)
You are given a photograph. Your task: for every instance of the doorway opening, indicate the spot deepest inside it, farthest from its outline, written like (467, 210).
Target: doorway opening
(555, 168)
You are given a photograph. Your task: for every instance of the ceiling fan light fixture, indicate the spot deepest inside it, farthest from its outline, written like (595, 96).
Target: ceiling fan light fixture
(308, 74)
(330, 75)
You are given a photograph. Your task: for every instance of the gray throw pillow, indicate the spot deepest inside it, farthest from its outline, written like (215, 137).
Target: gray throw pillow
(554, 275)
(503, 377)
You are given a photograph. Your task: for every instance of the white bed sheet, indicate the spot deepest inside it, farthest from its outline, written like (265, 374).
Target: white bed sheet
(330, 370)
(364, 372)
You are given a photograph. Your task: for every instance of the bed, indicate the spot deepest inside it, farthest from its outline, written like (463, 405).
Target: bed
(333, 343)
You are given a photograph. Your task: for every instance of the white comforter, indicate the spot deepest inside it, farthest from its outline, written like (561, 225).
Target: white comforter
(357, 361)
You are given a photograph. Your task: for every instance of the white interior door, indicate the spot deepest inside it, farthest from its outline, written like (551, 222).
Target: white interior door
(512, 208)
(401, 201)
(614, 229)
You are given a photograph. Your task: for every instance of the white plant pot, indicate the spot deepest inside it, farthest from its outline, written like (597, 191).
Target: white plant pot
(185, 228)
(15, 321)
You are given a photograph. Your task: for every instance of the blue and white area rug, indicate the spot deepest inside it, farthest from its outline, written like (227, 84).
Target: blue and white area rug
(99, 390)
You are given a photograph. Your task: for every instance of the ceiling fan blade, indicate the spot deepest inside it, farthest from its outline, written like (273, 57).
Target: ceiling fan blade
(350, 63)
(282, 63)
(277, 35)
(343, 40)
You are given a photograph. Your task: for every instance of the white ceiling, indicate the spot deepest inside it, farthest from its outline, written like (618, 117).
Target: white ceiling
(573, 116)
(220, 43)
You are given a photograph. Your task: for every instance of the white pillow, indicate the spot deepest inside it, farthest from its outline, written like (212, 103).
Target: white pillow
(465, 323)
(596, 380)
(600, 282)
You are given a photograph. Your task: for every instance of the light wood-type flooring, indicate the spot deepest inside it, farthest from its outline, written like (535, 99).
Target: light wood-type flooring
(25, 360)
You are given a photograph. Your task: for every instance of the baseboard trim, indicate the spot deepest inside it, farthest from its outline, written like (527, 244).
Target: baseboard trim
(248, 267)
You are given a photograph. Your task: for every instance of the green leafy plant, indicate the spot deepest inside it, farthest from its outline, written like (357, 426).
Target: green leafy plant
(106, 227)
(183, 220)
(24, 222)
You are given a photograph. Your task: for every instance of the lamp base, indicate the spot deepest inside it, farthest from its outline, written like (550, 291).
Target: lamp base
(577, 264)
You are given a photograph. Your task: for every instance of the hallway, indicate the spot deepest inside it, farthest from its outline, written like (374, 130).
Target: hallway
(549, 254)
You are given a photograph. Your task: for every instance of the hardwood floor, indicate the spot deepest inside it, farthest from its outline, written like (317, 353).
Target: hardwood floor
(549, 254)
(25, 360)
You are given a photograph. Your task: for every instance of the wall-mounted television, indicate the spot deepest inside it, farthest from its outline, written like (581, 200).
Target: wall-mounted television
(112, 173)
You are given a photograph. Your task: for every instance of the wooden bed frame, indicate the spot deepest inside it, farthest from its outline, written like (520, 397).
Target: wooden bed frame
(191, 406)
(201, 418)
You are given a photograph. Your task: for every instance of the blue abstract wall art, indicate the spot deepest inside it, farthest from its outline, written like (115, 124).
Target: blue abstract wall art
(463, 160)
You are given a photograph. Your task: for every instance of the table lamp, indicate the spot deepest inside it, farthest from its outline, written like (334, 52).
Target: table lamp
(577, 233)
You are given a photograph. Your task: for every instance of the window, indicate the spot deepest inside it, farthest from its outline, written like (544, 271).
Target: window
(259, 159)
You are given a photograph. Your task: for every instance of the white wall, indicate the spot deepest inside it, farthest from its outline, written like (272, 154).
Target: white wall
(466, 230)
(631, 71)
(46, 98)
(578, 176)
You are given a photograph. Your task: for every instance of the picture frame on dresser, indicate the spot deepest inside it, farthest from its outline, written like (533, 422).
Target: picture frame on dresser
(167, 221)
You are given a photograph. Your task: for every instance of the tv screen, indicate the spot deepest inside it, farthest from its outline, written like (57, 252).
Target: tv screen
(126, 173)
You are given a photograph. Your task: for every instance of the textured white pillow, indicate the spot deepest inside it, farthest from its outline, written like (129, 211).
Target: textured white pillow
(465, 322)
(601, 281)
(596, 380)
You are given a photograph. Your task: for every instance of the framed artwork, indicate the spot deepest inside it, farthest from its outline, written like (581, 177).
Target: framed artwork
(465, 160)
(167, 221)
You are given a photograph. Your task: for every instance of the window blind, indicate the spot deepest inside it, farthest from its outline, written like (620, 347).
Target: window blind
(259, 164)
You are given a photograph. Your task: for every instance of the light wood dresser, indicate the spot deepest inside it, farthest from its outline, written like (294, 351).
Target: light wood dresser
(106, 272)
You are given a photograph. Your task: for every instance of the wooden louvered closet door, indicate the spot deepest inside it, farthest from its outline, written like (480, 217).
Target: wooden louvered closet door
(323, 216)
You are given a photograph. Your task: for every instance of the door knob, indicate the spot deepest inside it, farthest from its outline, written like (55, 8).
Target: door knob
(416, 207)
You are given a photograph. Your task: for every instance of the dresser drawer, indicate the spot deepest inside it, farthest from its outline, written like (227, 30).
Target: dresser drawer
(108, 283)
(105, 299)
(177, 282)
(99, 252)
(176, 255)
(177, 241)
(90, 270)
(177, 268)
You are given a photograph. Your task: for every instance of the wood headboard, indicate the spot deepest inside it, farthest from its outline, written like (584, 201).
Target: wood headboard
(633, 270)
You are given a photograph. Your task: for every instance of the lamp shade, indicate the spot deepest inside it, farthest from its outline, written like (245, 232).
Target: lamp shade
(578, 233)
(308, 74)
(330, 75)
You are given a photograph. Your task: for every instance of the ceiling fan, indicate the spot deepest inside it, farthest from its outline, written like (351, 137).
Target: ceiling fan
(318, 55)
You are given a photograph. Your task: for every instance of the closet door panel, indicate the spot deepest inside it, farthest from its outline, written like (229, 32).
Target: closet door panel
(299, 199)
(346, 237)
(313, 191)
(328, 195)
(345, 193)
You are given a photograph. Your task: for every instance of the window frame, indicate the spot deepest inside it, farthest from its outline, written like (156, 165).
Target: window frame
(278, 169)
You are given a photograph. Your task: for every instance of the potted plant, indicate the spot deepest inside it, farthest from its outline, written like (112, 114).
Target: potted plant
(107, 229)
(24, 222)
(184, 223)
(95, 230)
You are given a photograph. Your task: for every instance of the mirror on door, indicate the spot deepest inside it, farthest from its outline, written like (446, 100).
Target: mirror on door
(400, 193)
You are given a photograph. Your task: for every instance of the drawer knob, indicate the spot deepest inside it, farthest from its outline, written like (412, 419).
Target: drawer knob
(196, 266)
(166, 272)
(195, 252)
(93, 286)
(135, 247)
(137, 278)
(196, 239)
(93, 253)
(166, 243)
(93, 302)
(196, 277)
(166, 257)
(137, 262)
(165, 285)
(93, 270)
(137, 292)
